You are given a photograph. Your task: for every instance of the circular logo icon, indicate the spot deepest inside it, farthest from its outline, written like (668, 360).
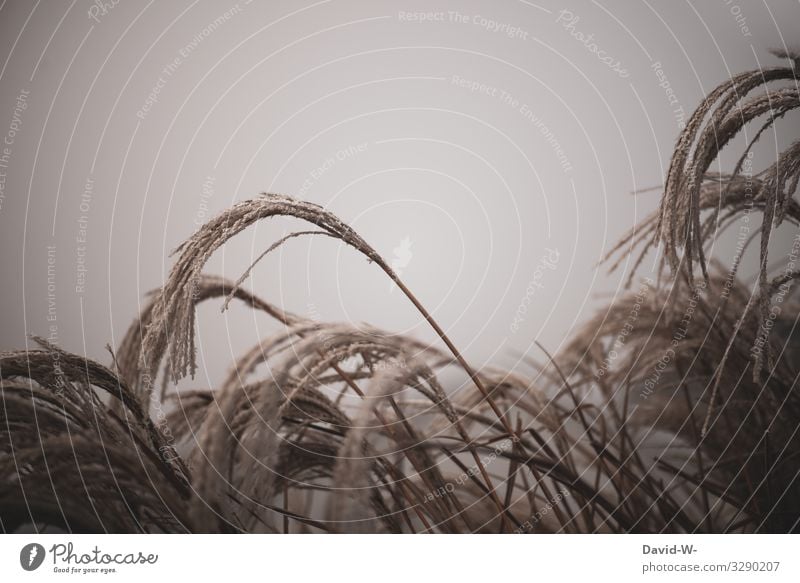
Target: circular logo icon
(31, 556)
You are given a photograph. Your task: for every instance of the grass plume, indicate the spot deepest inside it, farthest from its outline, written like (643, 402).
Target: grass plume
(658, 416)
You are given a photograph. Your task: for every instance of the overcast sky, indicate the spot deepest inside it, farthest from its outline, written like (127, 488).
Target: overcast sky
(487, 149)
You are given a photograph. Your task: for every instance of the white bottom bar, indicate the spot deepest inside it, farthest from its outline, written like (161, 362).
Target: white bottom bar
(410, 559)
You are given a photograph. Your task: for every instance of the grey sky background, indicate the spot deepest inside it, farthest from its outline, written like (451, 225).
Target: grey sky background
(479, 146)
